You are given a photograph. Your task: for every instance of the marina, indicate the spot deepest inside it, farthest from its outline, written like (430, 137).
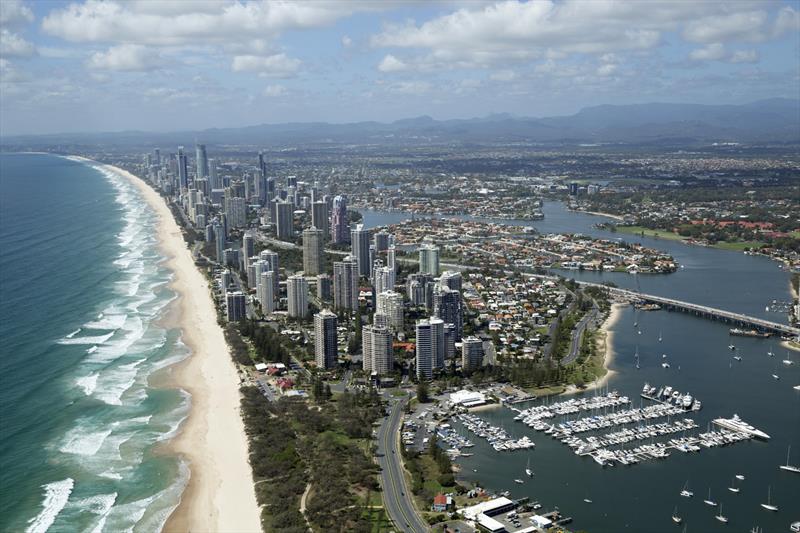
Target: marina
(495, 436)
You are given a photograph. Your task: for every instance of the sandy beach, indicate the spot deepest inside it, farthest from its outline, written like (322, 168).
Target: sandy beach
(599, 214)
(220, 495)
(605, 340)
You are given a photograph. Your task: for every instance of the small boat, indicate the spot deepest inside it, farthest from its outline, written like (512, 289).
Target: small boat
(740, 477)
(686, 493)
(720, 517)
(737, 358)
(769, 353)
(775, 376)
(709, 501)
(787, 466)
(733, 487)
(795, 526)
(788, 361)
(519, 481)
(768, 506)
(796, 387)
(675, 518)
(660, 338)
(731, 346)
(640, 332)
(528, 470)
(587, 500)
(664, 365)
(663, 356)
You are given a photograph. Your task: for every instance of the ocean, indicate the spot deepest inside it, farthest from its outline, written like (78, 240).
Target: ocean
(83, 293)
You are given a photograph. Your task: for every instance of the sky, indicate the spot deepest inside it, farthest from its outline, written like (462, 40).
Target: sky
(175, 65)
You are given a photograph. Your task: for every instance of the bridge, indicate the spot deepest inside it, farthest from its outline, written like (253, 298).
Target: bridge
(729, 317)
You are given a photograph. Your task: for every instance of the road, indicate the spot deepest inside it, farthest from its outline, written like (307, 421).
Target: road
(577, 334)
(397, 497)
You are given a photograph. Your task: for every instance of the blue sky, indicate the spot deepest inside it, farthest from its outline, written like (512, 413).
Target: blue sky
(163, 65)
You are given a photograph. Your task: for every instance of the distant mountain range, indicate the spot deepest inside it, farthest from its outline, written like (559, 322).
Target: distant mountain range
(775, 120)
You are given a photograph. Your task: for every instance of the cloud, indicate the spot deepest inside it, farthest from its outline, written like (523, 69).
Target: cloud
(12, 45)
(607, 69)
(744, 56)
(275, 91)
(276, 66)
(391, 64)
(788, 20)
(712, 52)
(189, 21)
(347, 42)
(742, 26)
(126, 57)
(503, 75)
(14, 12)
(411, 87)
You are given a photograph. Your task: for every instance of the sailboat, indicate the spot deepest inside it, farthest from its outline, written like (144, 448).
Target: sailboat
(528, 470)
(732, 347)
(768, 506)
(733, 487)
(788, 360)
(686, 493)
(787, 466)
(675, 518)
(720, 517)
(740, 477)
(770, 353)
(660, 338)
(709, 501)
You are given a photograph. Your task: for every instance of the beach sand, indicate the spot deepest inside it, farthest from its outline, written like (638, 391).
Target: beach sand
(605, 340)
(220, 494)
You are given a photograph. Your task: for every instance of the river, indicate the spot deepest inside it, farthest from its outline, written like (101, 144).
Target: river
(642, 497)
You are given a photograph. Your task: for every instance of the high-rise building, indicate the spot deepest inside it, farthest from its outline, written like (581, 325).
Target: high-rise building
(430, 347)
(157, 157)
(359, 241)
(391, 260)
(235, 306)
(313, 251)
(449, 341)
(297, 296)
(271, 258)
(266, 292)
(377, 350)
(451, 279)
(339, 225)
(219, 241)
(429, 259)
(201, 160)
(345, 284)
(183, 169)
(381, 241)
(213, 177)
(324, 287)
(285, 221)
(236, 211)
(390, 304)
(448, 306)
(248, 248)
(417, 288)
(319, 217)
(471, 353)
(325, 342)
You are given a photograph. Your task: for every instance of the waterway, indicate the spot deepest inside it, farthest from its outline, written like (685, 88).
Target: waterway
(642, 497)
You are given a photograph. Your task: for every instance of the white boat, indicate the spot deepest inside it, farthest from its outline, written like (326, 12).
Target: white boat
(787, 466)
(528, 470)
(736, 357)
(675, 518)
(660, 338)
(740, 477)
(720, 517)
(733, 488)
(587, 500)
(731, 346)
(795, 526)
(686, 493)
(776, 376)
(664, 365)
(769, 353)
(796, 387)
(737, 424)
(663, 356)
(709, 501)
(519, 481)
(788, 360)
(768, 506)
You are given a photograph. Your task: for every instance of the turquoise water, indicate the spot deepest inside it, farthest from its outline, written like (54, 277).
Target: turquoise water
(83, 289)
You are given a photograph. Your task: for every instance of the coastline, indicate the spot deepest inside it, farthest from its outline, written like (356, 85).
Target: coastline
(220, 493)
(604, 342)
(600, 214)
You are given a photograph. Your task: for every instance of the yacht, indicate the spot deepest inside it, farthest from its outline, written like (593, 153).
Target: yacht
(733, 487)
(737, 424)
(519, 481)
(769, 353)
(775, 376)
(709, 501)
(768, 506)
(740, 477)
(788, 360)
(737, 358)
(686, 493)
(587, 500)
(528, 470)
(787, 466)
(795, 526)
(664, 365)
(663, 356)
(660, 338)
(720, 517)
(731, 346)
(675, 518)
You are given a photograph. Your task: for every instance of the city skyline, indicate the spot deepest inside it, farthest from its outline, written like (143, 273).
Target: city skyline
(167, 66)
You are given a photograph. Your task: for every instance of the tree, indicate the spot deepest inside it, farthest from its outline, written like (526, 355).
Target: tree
(422, 392)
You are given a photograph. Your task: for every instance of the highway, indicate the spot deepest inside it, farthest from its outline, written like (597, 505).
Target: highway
(577, 334)
(397, 497)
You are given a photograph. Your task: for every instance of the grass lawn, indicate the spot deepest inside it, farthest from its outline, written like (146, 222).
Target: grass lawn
(638, 230)
(738, 246)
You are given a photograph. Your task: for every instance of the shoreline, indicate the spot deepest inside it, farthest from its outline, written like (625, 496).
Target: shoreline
(599, 214)
(220, 492)
(604, 343)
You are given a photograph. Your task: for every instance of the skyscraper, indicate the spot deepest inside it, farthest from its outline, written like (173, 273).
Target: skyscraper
(390, 304)
(430, 347)
(345, 284)
(201, 160)
(325, 342)
(319, 216)
(219, 241)
(183, 169)
(213, 177)
(313, 251)
(285, 221)
(266, 291)
(248, 248)
(381, 240)
(471, 353)
(451, 280)
(235, 306)
(377, 350)
(339, 224)
(429, 259)
(448, 306)
(297, 296)
(359, 239)
(324, 287)
(236, 211)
